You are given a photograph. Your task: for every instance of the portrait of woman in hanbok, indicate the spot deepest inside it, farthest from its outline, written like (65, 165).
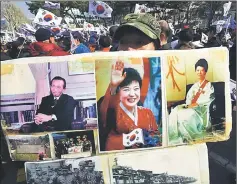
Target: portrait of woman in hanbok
(190, 121)
(123, 96)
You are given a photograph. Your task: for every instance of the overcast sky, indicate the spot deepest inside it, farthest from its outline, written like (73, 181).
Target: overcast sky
(22, 5)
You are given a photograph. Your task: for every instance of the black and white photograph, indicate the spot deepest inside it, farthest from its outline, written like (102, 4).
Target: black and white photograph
(29, 147)
(53, 100)
(74, 144)
(168, 166)
(69, 171)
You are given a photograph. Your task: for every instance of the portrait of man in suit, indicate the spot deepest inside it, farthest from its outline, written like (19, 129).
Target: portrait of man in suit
(56, 111)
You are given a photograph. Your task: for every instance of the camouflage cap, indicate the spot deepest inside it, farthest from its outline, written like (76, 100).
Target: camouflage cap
(146, 23)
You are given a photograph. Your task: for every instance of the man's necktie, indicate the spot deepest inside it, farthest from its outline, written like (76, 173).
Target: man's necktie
(55, 102)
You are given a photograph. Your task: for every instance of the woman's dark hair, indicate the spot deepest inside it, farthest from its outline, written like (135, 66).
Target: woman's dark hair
(203, 63)
(59, 78)
(131, 75)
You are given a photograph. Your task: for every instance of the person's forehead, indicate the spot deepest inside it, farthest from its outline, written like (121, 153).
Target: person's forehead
(134, 33)
(133, 83)
(200, 67)
(57, 82)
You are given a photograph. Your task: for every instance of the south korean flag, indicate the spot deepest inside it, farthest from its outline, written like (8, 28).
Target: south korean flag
(134, 137)
(99, 9)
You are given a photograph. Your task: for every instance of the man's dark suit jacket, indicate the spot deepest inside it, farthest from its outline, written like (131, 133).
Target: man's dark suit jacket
(63, 110)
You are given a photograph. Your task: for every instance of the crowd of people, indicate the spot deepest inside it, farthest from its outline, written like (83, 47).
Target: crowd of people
(147, 33)
(85, 173)
(136, 32)
(71, 145)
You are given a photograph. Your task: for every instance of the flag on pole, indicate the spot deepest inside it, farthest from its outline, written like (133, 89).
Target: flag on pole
(99, 9)
(51, 5)
(227, 35)
(73, 44)
(219, 25)
(141, 9)
(226, 7)
(204, 38)
(134, 137)
(56, 30)
(29, 27)
(227, 22)
(171, 27)
(46, 18)
(21, 35)
(198, 44)
(88, 26)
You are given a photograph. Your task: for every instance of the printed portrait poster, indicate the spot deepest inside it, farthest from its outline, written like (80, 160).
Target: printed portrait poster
(128, 91)
(183, 164)
(46, 95)
(69, 171)
(198, 96)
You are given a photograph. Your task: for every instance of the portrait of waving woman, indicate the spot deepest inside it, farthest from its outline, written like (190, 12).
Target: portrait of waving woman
(123, 96)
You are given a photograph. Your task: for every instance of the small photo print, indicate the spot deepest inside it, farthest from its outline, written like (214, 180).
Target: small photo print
(70, 171)
(29, 147)
(129, 103)
(74, 144)
(171, 165)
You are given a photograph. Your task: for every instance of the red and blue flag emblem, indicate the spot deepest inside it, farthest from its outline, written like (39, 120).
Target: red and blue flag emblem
(100, 9)
(48, 17)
